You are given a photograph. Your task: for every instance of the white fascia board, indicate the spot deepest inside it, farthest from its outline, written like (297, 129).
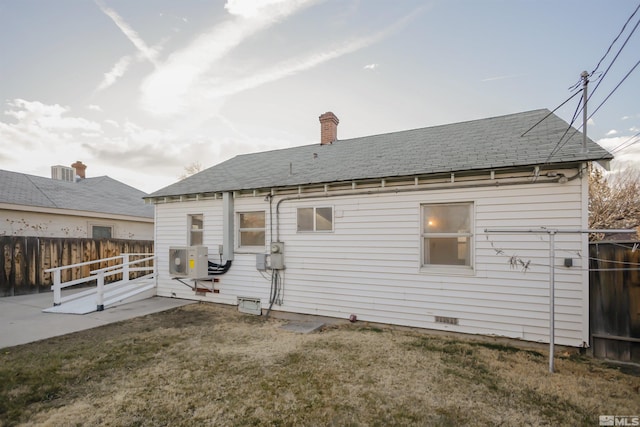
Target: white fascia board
(73, 212)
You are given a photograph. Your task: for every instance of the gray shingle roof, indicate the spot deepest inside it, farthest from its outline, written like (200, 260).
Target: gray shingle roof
(474, 145)
(101, 194)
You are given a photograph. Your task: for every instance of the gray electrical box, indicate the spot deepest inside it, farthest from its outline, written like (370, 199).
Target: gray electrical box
(261, 262)
(277, 256)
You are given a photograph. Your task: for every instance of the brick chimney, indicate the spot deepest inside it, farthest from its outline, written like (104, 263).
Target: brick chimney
(328, 128)
(80, 168)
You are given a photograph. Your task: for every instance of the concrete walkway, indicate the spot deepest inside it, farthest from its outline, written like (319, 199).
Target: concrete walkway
(22, 320)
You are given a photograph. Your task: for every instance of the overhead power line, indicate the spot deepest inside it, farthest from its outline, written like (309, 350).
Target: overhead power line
(600, 78)
(617, 54)
(561, 144)
(615, 40)
(616, 88)
(550, 113)
(626, 144)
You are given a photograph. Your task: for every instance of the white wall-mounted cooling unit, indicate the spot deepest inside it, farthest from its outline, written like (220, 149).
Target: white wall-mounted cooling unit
(189, 261)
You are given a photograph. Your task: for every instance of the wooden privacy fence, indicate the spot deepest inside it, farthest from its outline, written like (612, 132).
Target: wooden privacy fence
(24, 259)
(614, 288)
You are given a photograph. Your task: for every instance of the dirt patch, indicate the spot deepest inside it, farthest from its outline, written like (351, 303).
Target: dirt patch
(206, 364)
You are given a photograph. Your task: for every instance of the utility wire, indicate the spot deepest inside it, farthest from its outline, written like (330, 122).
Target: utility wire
(561, 144)
(579, 109)
(623, 147)
(550, 113)
(615, 57)
(615, 40)
(615, 88)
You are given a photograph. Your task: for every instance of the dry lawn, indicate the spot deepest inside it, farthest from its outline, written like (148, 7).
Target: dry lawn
(205, 364)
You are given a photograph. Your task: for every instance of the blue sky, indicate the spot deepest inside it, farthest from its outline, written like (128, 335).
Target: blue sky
(138, 90)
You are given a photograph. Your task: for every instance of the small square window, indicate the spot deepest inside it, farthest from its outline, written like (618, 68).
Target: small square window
(446, 234)
(315, 219)
(252, 229)
(101, 232)
(196, 230)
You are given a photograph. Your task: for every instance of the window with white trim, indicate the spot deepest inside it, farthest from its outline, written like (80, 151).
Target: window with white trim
(251, 230)
(196, 229)
(446, 234)
(315, 219)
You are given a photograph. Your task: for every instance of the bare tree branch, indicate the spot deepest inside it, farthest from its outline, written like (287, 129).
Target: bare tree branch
(191, 169)
(614, 200)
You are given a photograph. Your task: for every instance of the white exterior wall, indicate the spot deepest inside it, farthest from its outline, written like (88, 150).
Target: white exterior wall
(39, 224)
(370, 264)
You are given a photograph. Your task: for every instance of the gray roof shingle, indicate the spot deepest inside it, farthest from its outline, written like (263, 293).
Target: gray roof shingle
(474, 145)
(100, 194)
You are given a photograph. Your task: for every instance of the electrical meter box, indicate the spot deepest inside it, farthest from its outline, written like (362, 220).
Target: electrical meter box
(189, 261)
(277, 256)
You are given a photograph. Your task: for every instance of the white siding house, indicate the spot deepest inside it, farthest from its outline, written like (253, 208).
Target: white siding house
(397, 228)
(99, 207)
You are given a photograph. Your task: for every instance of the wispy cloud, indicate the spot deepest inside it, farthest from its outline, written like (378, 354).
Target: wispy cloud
(505, 77)
(39, 130)
(184, 83)
(130, 33)
(612, 132)
(252, 9)
(370, 66)
(144, 52)
(168, 89)
(94, 107)
(31, 114)
(117, 71)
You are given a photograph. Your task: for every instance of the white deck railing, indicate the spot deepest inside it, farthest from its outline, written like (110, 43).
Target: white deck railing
(123, 266)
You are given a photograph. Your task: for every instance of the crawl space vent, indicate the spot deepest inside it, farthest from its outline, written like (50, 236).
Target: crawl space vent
(249, 305)
(447, 320)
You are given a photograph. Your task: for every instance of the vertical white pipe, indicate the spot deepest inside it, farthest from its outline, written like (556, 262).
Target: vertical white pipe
(227, 226)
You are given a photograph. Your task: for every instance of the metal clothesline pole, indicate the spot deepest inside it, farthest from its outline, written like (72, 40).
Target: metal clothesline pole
(552, 302)
(552, 271)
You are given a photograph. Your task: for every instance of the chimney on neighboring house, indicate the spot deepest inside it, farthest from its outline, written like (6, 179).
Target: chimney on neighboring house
(80, 168)
(328, 128)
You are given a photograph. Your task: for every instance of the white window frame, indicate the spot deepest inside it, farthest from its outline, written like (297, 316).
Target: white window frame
(314, 218)
(240, 230)
(449, 268)
(191, 231)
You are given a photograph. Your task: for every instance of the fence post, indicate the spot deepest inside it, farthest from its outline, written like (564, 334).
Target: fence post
(57, 290)
(100, 292)
(125, 268)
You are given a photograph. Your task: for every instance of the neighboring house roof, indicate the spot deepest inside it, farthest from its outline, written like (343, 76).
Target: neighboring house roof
(484, 144)
(101, 194)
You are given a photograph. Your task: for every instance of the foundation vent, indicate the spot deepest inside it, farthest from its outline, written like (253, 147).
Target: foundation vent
(249, 305)
(447, 320)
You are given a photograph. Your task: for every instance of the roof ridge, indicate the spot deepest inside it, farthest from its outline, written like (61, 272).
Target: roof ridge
(538, 110)
(502, 116)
